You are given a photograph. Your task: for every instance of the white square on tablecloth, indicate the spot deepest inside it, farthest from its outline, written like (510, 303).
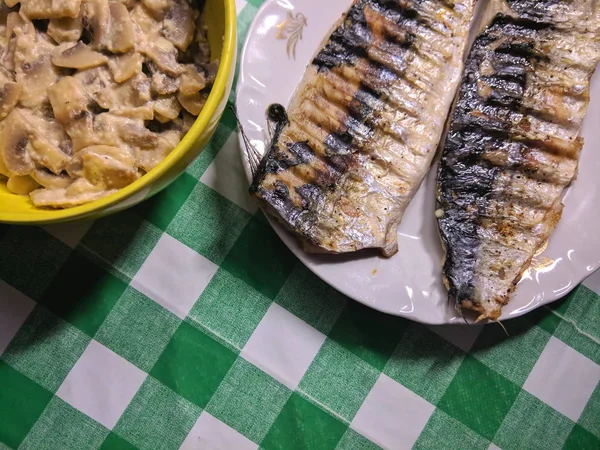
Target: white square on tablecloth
(225, 175)
(70, 232)
(494, 447)
(101, 384)
(14, 309)
(283, 346)
(458, 335)
(210, 433)
(174, 275)
(563, 378)
(392, 416)
(239, 5)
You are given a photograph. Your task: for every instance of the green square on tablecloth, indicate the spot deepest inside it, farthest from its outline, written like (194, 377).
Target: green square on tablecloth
(443, 432)
(479, 397)
(338, 379)
(121, 243)
(115, 442)
(581, 439)
(138, 329)
(512, 356)
(162, 208)
(298, 296)
(157, 418)
(424, 363)
(63, 427)
(248, 400)
(83, 293)
(529, 409)
(590, 417)
(229, 310)
(21, 403)
(208, 223)
(260, 259)
(352, 440)
(303, 425)
(369, 334)
(193, 364)
(24, 265)
(46, 348)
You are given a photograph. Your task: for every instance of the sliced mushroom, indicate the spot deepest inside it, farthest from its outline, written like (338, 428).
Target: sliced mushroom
(179, 24)
(7, 60)
(107, 129)
(70, 105)
(167, 141)
(143, 20)
(210, 71)
(119, 37)
(68, 100)
(164, 84)
(145, 112)
(46, 154)
(157, 7)
(95, 17)
(79, 192)
(109, 167)
(15, 145)
(50, 9)
(80, 56)
(34, 70)
(65, 29)
(134, 92)
(15, 20)
(187, 122)
(166, 109)
(125, 66)
(49, 180)
(9, 97)
(134, 133)
(191, 81)
(99, 86)
(164, 55)
(21, 184)
(192, 103)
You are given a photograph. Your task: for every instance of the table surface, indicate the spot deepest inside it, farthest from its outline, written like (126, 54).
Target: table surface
(186, 323)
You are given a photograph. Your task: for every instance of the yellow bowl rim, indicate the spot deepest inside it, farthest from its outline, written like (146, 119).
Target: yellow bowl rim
(217, 92)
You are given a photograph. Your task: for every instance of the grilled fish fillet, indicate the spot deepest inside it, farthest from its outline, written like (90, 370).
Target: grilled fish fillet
(513, 145)
(365, 122)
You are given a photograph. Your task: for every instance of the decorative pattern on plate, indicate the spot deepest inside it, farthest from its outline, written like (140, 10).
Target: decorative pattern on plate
(291, 29)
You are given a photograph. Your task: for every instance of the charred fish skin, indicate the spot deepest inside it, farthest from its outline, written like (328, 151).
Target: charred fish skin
(513, 145)
(364, 123)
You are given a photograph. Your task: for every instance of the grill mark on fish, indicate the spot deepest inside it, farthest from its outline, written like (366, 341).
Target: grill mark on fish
(365, 110)
(513, 146)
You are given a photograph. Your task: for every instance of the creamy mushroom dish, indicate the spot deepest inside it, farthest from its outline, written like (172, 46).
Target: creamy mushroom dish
(95, 93)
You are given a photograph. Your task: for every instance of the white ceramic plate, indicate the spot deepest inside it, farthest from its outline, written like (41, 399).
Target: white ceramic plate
(282, 40)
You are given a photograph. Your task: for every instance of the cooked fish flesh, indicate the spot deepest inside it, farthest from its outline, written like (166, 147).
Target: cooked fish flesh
(513, 145)
(365, 123)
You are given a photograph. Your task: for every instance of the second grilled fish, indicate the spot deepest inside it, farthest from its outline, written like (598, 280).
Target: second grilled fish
(513, 145)
(365, 123)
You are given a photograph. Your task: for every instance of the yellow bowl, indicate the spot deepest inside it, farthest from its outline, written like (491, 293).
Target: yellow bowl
(220, 17)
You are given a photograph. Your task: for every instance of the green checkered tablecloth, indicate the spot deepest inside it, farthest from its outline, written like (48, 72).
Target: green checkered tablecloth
(186, 323)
